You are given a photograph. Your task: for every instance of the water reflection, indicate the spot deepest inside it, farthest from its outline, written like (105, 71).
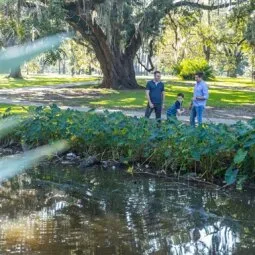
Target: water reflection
(63, 211)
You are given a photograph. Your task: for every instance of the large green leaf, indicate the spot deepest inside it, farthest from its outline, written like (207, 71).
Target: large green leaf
(240, 156)
(250, 141)
(196, 155)
(240, 182)
(230, 176)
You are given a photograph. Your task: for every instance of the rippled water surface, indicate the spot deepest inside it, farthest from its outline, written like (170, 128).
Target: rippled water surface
(63, 211)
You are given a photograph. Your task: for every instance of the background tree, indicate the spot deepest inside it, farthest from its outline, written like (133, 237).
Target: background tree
(217, 36)
(73, 56)
(12, 28)
(85, 64)
(177, 41)
(250, 37)
(23, 21)
(117, 29)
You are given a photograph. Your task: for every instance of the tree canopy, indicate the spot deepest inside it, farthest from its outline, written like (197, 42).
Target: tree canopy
(116, 30)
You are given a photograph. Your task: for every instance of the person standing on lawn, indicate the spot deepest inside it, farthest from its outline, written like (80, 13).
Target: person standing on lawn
(199, 100)
(155, 94)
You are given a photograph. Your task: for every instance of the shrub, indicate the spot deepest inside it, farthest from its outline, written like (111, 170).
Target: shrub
(211, 150)
(188, 67)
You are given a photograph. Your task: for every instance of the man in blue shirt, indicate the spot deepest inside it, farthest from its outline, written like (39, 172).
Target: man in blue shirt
(198, 102)
(155, 95)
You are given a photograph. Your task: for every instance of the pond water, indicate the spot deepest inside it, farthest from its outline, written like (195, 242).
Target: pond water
(61, 210)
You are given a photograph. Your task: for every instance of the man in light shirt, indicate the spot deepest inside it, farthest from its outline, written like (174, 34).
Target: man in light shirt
(199, 100)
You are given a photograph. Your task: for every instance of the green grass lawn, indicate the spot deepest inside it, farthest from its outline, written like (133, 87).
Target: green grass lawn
(33, 81)
(224, 92)
(13, 109)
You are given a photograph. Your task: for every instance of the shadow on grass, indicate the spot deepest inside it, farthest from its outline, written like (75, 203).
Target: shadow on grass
(34, 81)
(90, 95)
(136, 99)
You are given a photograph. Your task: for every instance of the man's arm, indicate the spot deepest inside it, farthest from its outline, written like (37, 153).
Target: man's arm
(148, 98)
(163, 95)
(179, 111)
(178, 108)
(163, 98)
(205, 93)
(147, 92)
(191, 104)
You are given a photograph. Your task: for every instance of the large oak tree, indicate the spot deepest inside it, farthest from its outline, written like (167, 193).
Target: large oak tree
(116, 29)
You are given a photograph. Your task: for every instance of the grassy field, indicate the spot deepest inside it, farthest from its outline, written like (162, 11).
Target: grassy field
(224, 92)
(15, 109)
(34, 81)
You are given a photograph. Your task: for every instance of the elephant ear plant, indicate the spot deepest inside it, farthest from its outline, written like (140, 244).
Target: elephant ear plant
(243, 165)
(212, 152)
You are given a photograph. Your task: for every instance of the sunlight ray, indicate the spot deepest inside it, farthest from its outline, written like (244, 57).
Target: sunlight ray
(12, 165)
(13, 57)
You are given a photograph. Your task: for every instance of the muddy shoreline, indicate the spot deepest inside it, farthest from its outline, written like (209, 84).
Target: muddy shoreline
(86, 163)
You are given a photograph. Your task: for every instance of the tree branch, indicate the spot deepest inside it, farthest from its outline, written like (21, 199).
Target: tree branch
(207, 7)
(175, 28)
(34, 5)
(241, 42)
(136, 40)
(150, 55)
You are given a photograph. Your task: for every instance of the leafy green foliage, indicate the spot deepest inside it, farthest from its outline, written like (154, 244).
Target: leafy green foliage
(240, 156)
(250, 31)
(230, 176)
(173, 146)
(188, 67)
(224, 40)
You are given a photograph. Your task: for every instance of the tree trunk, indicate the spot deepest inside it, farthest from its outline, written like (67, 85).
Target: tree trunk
(90, 70)
(59, 67)
(118, 72)
(72, 71)
(16, 73)
(252, 66)
(117, 65)
(64, 67)
(207, 53)
(232, 73)
(207, 49)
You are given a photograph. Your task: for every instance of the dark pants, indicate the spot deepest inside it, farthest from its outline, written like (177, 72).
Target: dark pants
(157, 108)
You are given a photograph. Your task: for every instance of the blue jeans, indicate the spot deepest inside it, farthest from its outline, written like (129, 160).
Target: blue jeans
(196, 111)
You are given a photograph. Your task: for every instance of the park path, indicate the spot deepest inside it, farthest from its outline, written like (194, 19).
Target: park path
(138, 113)
(132, 113)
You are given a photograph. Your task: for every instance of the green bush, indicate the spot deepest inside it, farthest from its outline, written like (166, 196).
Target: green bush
(188, 67)
(211, 151)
